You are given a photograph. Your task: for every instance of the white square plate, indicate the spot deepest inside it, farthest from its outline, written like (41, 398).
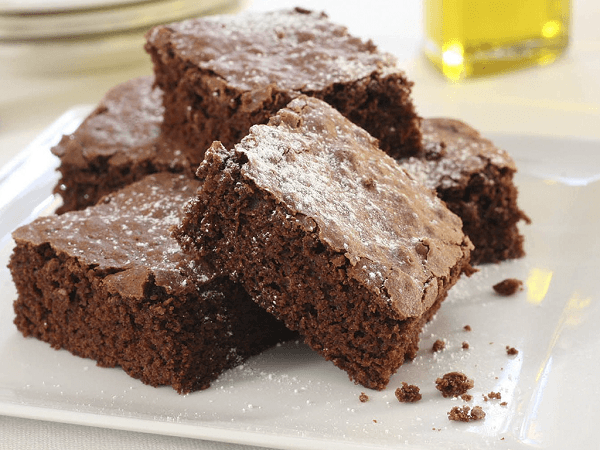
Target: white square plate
(289, 397)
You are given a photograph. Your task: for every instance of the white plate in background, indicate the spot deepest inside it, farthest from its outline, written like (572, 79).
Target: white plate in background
(289, 397)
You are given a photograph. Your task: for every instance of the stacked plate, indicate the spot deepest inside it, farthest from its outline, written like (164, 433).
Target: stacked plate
(72, 35)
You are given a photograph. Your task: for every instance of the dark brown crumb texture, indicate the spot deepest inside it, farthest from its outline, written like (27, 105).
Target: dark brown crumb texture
(438, 346)
(110, 284)
(223, 74)
(408, 393)
(118, 143)
(511, 350)
(363, 397)
(475, 179)
(453, 384)
(466, 414)
(467, 328)
(465, 345)
(508, 287)
(338, 289)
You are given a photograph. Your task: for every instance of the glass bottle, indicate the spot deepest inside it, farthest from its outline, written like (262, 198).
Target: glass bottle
(468, 38)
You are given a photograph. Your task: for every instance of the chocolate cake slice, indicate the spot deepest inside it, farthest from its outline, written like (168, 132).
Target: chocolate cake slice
(326, 232)
(118, 143)
(475, 179)
(111, 284)
(222, 74)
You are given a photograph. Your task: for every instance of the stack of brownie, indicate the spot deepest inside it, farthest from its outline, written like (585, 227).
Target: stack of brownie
(272, 180)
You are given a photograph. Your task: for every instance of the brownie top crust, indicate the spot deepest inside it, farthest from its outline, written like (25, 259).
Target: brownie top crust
(397, 235)
(297, 50)
(124, 128)
(127, 236)
(452, 151)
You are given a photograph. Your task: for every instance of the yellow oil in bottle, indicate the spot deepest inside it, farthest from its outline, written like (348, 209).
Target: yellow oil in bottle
(468, 38)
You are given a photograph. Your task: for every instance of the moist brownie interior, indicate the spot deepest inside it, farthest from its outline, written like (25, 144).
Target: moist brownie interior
(111, 284)
(222, 74)
(475, 179)
(118, 143)
(330, 235)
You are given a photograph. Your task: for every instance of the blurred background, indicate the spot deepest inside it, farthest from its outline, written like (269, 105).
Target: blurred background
(61, 53)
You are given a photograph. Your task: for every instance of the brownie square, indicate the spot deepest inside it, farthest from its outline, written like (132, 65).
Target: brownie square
(330, 235)
(222, 74)
(111, 284)
(118, 143)
(475, 179)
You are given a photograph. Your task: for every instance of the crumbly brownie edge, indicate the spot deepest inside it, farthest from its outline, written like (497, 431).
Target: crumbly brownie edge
(488, 208)
(196, 112)
(382, 105)
(200, 106)
(160, 339)
(278, 257)
(82, 187)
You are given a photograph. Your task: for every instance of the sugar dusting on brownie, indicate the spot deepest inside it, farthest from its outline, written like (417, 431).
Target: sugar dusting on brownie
(395, 243)
(141, 221)
(257, 49)
(469, 151)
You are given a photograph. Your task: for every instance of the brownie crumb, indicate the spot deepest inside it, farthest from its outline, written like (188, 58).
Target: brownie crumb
(503, 403)
(454, 384)
(467, 328)
(485, 397)
(465, 345)
(466, 397)
(363, 397)
(495, 395)
(408, 393)
(466, 414)
(508, 287)
(438, 346)
(477, 413)
(511, 350)
(374, 420)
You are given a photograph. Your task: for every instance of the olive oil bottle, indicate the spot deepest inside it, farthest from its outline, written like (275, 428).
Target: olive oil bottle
(469, 38)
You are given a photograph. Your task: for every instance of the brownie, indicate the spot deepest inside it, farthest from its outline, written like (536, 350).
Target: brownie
(118, 143)
(466, 414)
(453, 384)
(222, 74)
(475, 179)
(408, 393)
(111, 284)
(330, 235)
(508, 287)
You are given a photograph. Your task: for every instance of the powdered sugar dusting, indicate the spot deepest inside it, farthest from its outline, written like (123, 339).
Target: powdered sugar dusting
(462, 152)
(364, 204)
(128, 230)
(295, 50)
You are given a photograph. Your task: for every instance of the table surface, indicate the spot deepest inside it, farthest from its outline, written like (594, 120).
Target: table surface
(559, 100)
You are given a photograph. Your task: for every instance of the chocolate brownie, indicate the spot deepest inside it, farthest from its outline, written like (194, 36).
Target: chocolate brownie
(475, 179)
(222, 74)
(508, 287)
(408, 393)
(111, 284)
(330, 235)
(118, 143)
(466, 414)
(454, 384)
